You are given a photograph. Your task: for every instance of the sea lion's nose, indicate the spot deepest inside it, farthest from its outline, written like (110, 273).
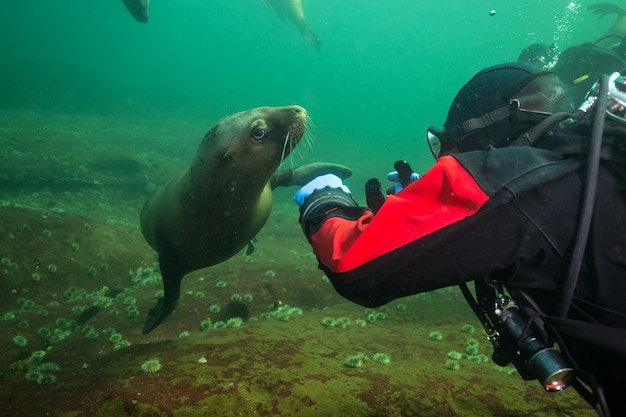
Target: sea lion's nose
(298, 110)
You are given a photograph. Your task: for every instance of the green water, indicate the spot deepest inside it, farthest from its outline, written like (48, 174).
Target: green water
(97, 110)
(385, 71)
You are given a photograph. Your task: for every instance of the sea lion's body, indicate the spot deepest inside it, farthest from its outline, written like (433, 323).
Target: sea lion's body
(292, 10)
(210, 211)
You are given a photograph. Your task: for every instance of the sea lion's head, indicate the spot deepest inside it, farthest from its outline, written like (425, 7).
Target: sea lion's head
(253, 143)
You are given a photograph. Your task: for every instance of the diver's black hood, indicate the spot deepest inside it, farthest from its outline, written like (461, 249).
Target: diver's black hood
(499, 104)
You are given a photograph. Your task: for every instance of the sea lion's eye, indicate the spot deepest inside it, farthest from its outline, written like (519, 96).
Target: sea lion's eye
(258, 132)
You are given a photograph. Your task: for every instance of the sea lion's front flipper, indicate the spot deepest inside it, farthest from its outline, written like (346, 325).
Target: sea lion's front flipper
(251, 246)
(171, 274)
(305, 173)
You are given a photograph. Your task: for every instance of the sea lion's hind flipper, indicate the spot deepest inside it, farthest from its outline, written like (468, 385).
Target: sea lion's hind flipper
(251, 245)
(171, 274)
(310, 37)
(305, 173)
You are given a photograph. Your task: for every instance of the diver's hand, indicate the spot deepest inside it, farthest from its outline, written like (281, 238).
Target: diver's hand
(604, 9)
(319, 183)
(403, 175)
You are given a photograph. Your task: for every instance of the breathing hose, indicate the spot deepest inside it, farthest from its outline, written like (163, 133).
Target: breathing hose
(589, 196)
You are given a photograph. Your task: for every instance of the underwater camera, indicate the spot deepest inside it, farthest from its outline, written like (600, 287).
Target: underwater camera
(538, 360)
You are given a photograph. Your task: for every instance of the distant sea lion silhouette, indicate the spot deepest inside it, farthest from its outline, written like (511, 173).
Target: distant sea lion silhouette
(215, 207)
(139, 9)
(292, 10)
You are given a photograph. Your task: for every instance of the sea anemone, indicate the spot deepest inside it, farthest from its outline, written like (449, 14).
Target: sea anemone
(234, 322)
(354, 361)
(151, 365)
(452, 365)
(468, 328)
(342, 322)
(45, 379)
(130, 301)
(478, 358)
(435, 335)
(20, 340)
(380, 315)
(328, 321)
(453, 354)
(471, 346)
(62, 323)
(44, 332)
(381, 357)
(121, 345)
(132, 311)
(214, 309)
(115, 338)
(37, 356)
(48, 366)
(7, 316)
(92, 334)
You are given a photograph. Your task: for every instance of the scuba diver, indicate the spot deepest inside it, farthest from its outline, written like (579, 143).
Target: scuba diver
(526, 200)
(580, 66)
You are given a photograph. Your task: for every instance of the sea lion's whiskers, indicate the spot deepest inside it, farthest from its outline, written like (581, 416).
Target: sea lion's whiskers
(302, 150)
(282, 155)
(309, 135)
(309, 140)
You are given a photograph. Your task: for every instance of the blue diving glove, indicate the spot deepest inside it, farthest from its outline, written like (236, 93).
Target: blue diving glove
(403, 175)
(395, 177)
(319, 183)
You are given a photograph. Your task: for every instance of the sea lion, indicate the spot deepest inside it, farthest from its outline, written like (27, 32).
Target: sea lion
(292, 10)
(139, 9)
(211, 210)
